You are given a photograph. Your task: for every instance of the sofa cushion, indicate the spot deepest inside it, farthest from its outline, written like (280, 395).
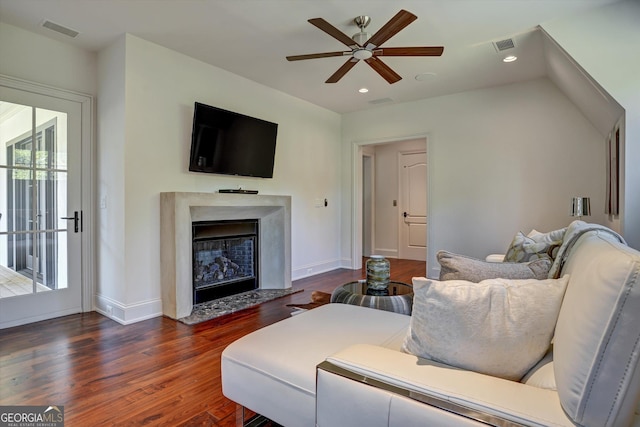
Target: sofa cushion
(597, 340)
(272, 370)
(460, 267)
(497, 327)
(542, 375)
(534, 245)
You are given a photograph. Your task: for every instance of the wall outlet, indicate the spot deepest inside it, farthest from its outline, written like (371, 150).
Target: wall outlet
(109, 310)
(309, 270)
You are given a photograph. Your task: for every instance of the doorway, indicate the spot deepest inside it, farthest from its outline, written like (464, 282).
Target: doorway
(380, 197)
(45, 257)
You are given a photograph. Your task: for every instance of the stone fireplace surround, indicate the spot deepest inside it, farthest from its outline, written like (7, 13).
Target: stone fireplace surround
(177, 212)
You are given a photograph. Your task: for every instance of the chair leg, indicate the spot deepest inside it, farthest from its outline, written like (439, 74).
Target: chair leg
(239, 416)
(254, 420)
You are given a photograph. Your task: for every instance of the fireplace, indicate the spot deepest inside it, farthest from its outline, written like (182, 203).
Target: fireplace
(178, 212)
(225, 258)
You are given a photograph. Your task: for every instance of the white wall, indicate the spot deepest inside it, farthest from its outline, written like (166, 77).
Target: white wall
(605, 42)
(500, 160)
(35, 58)
(110, 180)
(156, 89)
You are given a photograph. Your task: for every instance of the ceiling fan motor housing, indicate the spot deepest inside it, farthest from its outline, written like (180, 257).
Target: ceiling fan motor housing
(360, 38)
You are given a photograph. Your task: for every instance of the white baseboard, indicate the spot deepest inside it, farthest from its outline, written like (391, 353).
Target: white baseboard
(347, 263)
(127, 314)
(387, 253)
(313, 269)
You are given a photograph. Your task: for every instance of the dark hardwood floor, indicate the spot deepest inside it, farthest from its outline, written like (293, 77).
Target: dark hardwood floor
(155, 372)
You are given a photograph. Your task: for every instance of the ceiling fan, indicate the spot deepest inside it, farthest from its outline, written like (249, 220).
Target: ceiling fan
(368, 49)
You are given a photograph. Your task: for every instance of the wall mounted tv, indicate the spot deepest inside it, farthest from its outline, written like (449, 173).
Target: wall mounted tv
(229, 143)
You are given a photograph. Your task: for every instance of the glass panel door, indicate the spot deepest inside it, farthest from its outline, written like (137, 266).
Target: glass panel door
(40, 200)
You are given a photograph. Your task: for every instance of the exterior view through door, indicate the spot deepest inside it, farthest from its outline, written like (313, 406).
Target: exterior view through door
(40, 214)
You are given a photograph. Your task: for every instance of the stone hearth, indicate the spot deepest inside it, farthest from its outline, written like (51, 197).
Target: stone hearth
(179, 210)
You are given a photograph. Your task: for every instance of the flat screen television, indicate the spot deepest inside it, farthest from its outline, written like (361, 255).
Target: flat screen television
(224, 142)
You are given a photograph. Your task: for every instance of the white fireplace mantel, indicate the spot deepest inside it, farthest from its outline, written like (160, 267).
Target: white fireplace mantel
(179, 210)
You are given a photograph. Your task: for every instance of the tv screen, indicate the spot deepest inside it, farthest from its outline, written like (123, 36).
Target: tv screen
(229, 143)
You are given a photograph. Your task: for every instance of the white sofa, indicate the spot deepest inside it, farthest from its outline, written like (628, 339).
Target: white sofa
(341, 365)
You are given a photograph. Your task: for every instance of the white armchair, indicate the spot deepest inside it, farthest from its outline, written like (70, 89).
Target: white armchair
(341, 365)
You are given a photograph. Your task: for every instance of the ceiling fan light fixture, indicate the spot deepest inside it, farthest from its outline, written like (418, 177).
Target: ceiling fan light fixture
(362, 54)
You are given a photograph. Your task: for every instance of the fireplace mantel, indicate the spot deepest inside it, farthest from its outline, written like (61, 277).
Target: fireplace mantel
(179, 210)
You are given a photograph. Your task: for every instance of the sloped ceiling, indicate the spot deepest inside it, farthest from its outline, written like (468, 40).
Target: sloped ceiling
(251, 38)
(595, 103)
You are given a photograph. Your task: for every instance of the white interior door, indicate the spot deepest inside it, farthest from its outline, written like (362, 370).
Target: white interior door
(413, 206)
(40, 207)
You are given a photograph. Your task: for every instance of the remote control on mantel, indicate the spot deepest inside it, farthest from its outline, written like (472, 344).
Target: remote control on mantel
(237, 191)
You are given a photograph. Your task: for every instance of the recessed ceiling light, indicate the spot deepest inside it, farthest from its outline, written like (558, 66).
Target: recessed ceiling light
(509, 58)
(363, 90)
(424, 76)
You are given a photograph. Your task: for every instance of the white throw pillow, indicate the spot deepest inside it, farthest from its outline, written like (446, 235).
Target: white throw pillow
(497, 327)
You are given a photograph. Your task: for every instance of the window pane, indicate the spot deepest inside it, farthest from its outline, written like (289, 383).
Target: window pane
(32, 156)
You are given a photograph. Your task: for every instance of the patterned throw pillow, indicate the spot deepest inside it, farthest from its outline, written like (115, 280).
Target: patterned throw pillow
(534, 246)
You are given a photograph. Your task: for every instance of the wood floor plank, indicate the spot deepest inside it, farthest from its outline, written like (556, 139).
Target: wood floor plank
(155, 372)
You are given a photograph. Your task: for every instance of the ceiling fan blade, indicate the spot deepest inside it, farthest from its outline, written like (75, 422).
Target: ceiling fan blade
(409, 51)
(383, 69)
(333, 32)
(316, 55)
(342, 71)
(391, 28)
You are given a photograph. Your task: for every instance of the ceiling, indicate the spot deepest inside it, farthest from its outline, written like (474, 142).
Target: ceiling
(251, 38)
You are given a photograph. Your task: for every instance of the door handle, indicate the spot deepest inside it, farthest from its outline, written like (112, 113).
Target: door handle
(76, 220)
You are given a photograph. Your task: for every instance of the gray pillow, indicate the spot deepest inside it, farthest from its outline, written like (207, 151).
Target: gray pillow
(460, 267)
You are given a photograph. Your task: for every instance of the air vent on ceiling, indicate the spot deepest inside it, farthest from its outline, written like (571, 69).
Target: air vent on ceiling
(505, 44)
(60, 29)
(380, 101)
